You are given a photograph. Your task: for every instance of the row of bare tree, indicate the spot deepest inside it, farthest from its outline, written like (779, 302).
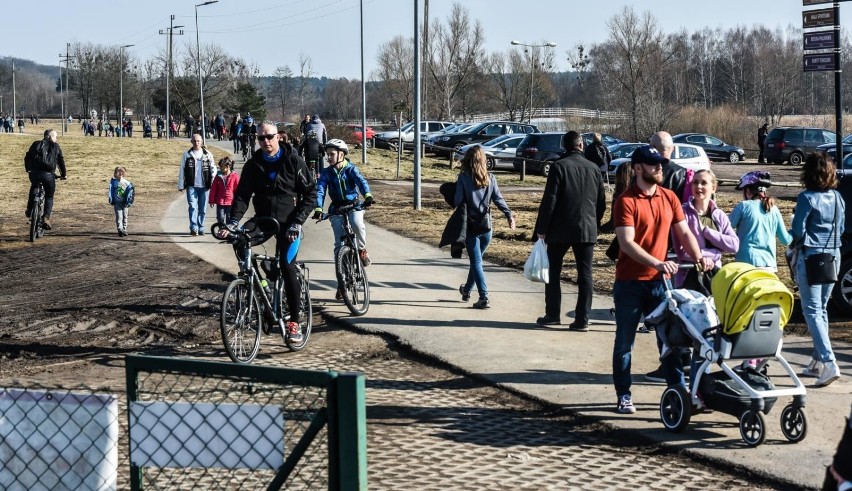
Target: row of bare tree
(639, 70)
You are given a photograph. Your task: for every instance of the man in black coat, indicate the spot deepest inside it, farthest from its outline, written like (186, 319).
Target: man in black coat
(761, 140)
(568, 217)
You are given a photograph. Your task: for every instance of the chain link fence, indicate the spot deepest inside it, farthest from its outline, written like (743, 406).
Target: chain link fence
(189, 425)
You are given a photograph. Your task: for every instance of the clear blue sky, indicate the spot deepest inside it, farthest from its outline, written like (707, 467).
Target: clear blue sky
(272, 33)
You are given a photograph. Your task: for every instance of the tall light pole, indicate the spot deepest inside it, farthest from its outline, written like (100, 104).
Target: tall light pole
(171, 30)
(121, 87)
(67, 59)
(198, 60)
(14, 101)
(363, 96)
(532, 67)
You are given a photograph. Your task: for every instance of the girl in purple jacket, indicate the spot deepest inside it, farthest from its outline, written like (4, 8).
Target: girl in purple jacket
(708, 223)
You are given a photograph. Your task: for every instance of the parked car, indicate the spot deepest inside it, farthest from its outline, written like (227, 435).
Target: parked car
(689, 156)
(792, 143)
(481, 132)
(831, 148)
(842, 294)
(406, 133)
(606, 139)
(623, 150)
(355, 134)
(429, 139)
(715, 148)
(538, 150)
(499, 152)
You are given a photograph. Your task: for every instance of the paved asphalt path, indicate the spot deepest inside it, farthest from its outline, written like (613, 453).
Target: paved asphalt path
(414, 297)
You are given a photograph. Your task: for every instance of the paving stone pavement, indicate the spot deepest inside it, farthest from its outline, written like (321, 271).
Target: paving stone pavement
(430, 429)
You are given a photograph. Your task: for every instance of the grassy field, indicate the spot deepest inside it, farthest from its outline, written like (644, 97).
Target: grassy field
(152, 165)
(395, 211)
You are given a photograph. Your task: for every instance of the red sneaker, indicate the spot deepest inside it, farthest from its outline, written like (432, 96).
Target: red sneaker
(294, 332)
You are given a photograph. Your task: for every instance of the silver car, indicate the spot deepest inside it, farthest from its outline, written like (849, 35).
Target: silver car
(499, 152)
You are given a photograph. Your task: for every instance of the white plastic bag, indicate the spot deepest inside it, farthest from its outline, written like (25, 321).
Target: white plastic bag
(537, 266)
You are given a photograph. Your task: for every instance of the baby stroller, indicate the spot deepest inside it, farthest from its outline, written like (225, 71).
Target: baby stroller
(753, 307)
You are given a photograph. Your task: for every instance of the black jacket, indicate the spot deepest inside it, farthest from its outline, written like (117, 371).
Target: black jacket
(674, 178)
(574, 201)
(207, 168)
(311, 149)
(288, 198)
(44, 156)
(598, 154)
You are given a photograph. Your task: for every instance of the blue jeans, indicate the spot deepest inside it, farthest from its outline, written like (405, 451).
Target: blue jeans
(632, 299)
(197, 200)
(222, 213)
(476, 245)
(814, 302)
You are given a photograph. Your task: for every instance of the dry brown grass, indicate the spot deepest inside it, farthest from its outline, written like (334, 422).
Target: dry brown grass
(152, 166)
(394, 211)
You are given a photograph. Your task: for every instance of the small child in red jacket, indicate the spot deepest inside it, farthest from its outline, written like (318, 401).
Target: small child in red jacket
(222, 189)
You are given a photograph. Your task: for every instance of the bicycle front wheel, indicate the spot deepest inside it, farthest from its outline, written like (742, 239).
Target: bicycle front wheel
(352, 280)
(240, 322)
(306, 314)
(36, 230)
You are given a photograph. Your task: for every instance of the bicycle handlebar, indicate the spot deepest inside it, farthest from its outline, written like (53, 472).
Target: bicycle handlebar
(342, 210)
(244, 234)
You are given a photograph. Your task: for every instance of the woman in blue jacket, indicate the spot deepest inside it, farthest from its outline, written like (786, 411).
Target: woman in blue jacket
(818, 223)
(476, 189)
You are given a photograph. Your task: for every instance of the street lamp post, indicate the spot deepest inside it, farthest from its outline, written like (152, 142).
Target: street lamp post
(121, 87)
(171, 32)
(14, 100)
(198, 56)
(532, 68)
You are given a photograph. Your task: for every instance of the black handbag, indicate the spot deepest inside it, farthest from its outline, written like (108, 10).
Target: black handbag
(821, 268)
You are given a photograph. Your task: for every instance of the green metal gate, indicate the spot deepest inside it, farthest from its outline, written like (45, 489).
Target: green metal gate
(198, 424)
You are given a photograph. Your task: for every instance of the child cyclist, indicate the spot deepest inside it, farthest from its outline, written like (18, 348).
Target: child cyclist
(120, 197)
(342, 181)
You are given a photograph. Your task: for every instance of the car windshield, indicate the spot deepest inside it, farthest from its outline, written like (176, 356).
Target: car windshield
(848, 140)
(406, 127)
(496, 141)
(624, 150)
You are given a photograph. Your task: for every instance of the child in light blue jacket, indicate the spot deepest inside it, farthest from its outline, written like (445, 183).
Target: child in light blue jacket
(121, 195)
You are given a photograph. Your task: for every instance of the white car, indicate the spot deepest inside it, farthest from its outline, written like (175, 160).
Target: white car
(686, 155)
(387, 138)
(499, 152)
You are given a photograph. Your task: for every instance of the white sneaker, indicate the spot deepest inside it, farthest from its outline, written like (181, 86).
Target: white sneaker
(830, 373)
(812, 370)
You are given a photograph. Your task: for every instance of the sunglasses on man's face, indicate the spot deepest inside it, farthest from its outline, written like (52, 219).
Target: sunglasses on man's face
(266, 137)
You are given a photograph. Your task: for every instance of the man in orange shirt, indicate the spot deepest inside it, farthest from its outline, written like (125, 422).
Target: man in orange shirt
(644, 215)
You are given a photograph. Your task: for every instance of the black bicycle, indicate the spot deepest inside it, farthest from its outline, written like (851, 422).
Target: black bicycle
(256, 302)
(37, 214)
(351, 276)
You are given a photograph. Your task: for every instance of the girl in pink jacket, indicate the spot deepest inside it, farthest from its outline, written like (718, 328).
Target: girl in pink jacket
(222, 189)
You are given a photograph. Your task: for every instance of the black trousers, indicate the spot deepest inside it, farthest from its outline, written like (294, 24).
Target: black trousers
(760, 155)
(583, 255)
(48, 180)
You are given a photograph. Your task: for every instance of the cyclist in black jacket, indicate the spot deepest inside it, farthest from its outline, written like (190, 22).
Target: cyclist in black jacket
(40, 163)
(279, 185)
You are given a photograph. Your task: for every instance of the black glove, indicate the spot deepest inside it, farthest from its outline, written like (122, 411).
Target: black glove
(294, 232)
(368, 201)
(317, 215)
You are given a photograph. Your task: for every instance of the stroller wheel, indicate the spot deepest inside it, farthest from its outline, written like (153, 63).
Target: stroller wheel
(794, 423)
(753, 427)
(675, 408)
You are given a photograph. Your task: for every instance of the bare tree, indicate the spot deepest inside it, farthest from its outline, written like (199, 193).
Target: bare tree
(455, 52)
(506, 73)
(280, 91)
(341, 99)
(305, 90)
(396, 71)
(632, 62)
